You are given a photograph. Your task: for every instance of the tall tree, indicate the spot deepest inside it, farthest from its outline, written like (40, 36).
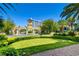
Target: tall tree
(62, 24)
(71, 23)
(55, 26)
(47, 26)
(8, 26)
(71, 10)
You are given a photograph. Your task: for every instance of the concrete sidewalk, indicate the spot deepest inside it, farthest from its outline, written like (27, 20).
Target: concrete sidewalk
(66, 51)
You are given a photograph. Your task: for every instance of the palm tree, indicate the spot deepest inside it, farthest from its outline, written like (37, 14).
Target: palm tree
(71, 23)
(9, 6)
(71, 10)
(62, 24)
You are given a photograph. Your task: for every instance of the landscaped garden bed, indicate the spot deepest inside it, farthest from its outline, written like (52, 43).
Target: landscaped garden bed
(31, 45)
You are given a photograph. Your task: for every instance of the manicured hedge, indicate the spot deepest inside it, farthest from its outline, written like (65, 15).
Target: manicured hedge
(8, 52)
(3, 37)
(14, 39)
(71, 33)
(3, 40)
(72, 38)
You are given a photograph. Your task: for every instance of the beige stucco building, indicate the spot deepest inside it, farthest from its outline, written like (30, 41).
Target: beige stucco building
(33, 27)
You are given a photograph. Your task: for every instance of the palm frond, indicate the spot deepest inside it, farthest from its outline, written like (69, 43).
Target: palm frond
(6, 5)
(11, 6)
(70, 10)
(75, 15)
(68, 6)
(69, 15)
(67, 11)
(78, 17)
(3, 10)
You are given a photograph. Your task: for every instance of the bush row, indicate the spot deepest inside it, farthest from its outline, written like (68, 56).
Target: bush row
(67, 38)
(66, 33)
(8, 52)
(14, 39)
(3, 37)
(3, 40)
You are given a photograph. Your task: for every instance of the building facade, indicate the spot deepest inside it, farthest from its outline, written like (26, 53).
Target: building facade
(33, 27)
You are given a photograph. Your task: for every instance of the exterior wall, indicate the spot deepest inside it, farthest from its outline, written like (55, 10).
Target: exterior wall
(30, 25)
(17, 30)
(33, 26)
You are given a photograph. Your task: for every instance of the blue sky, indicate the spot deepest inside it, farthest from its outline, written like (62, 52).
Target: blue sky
(37, 11)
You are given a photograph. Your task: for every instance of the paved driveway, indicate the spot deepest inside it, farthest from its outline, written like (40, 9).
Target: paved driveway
(66, 51)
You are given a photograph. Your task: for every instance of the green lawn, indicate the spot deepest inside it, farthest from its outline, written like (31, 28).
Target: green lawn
(33, 42)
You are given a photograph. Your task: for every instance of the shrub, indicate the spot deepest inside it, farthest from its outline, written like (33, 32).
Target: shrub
(14, 39)
(76, 39)
(3, 40)
(72, 33)
(9, 52)
(65, 34)
(56, 34)
(3, 37)
(11, 40)
(23, 38)
(61, 34)
(5, 43)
